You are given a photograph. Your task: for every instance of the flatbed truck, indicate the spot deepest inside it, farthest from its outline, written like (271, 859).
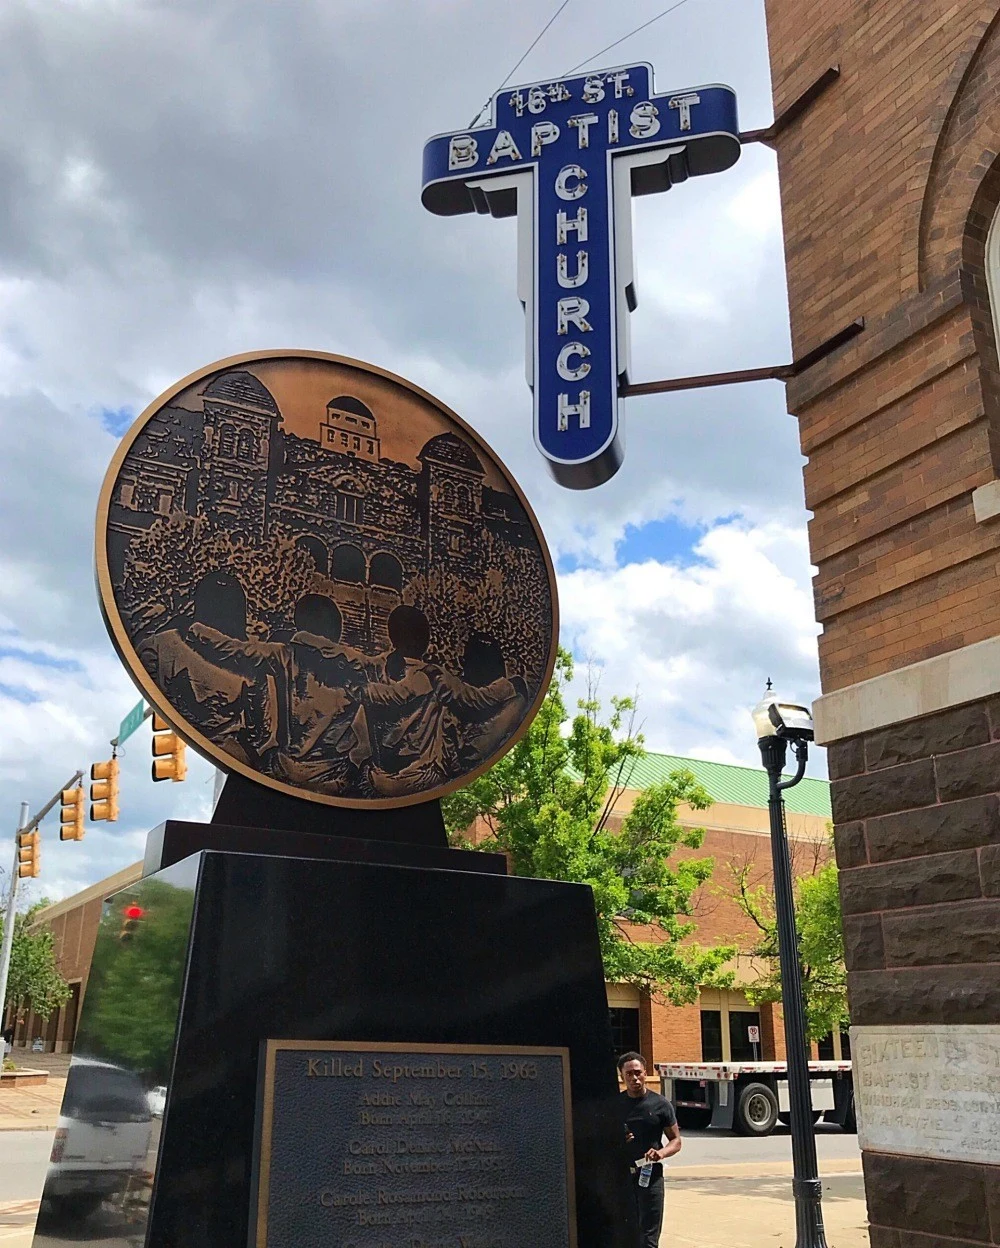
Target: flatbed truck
(752, 1097)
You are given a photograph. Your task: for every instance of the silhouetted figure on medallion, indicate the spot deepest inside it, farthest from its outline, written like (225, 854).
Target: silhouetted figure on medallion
(227, 687)
(327, 740)
(486, 705)
(406, 718)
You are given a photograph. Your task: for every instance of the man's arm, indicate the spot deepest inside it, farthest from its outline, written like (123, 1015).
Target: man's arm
(673, 1137)
(671, 1147)
(397, 693)
(474, 698)
(247, 657)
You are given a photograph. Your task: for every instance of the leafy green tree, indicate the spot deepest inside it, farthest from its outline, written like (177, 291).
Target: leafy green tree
(821, 944)
(548, 805)
(33, 981)
(135, 982)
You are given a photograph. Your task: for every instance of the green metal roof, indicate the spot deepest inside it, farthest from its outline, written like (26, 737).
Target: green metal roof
(737, 786)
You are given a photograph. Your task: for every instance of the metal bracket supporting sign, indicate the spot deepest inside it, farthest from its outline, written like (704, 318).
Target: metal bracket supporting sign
(567, 156)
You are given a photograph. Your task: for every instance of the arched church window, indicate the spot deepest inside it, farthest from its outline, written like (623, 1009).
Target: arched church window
(313, 546)
(993, 272)
(462, 498)
(448, 496)
(349, 564)
(227, 441)
(350, 508)
(246, 446)
(387, 571)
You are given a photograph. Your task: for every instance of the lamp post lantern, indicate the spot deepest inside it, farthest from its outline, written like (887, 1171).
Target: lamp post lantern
(780, 724)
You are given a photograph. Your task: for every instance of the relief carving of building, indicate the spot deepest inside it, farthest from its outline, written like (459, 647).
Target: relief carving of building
(371, 525)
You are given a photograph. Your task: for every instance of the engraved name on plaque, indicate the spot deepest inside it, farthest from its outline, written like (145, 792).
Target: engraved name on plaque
(389, 1146)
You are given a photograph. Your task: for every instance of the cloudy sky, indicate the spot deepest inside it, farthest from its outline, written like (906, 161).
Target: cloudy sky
(181, 180)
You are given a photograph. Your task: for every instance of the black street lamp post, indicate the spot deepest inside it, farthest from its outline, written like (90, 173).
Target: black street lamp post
(780, 724)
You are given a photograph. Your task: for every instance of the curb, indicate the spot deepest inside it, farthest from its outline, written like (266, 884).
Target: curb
(833, 1168)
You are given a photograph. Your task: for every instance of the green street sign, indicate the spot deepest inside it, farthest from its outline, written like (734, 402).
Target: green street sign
(132, 721)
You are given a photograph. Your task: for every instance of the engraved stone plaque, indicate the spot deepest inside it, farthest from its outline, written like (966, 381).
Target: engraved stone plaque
(395, 1146)
(929, 1090)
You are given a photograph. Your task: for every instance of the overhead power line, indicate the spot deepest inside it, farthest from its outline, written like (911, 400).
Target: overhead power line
(587, 60)
(534, 44)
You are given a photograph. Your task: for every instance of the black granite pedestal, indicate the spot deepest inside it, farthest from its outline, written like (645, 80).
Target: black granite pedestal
(364, 958)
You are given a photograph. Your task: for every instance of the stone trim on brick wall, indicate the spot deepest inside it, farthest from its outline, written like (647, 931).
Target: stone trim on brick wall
(947, 680)
(986, 501)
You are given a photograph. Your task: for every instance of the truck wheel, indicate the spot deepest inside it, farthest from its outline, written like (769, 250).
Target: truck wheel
(756, 1110)
(851, 1118)
(786, 1119)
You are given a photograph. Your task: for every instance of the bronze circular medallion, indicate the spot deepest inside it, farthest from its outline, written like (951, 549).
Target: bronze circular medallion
(325, 580)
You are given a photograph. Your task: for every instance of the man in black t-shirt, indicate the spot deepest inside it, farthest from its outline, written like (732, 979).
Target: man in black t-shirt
(649, 1121)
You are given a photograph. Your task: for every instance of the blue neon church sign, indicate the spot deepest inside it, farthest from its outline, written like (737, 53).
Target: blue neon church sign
(566, 157)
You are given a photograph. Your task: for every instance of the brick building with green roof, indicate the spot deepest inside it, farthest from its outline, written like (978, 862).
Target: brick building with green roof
(732, 785)
(736, 835)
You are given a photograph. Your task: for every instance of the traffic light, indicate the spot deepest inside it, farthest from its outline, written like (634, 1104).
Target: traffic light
(131, 915)
(71, 814)
(168, 752)
(104, 791)
(28, 854)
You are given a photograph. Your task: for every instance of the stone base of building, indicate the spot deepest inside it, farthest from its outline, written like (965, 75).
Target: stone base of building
(917, 832)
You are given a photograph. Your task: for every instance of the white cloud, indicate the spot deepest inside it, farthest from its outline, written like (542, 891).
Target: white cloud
(698, 640)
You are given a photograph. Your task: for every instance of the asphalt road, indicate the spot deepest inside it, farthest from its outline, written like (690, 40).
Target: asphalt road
(24, 1154)
(709, 1148)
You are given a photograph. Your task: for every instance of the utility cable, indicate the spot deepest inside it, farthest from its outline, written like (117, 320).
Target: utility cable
(588, 59)
(538, 39)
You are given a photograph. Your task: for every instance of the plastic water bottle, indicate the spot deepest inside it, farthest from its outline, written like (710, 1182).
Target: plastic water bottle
(645, 1174)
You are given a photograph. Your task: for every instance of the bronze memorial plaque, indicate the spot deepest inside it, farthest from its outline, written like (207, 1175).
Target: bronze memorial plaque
(408, 1146)
(325, 580)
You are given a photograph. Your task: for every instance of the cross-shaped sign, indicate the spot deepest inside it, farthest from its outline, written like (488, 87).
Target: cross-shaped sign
(566, 157)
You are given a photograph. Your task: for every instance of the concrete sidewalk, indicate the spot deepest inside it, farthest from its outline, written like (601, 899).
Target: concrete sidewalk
(705, 1212)
(32, 1109)
(17, 1223)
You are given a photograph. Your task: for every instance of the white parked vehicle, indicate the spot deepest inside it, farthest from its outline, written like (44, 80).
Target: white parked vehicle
(102, 1139)
(752, 1097)
(157, 1100)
